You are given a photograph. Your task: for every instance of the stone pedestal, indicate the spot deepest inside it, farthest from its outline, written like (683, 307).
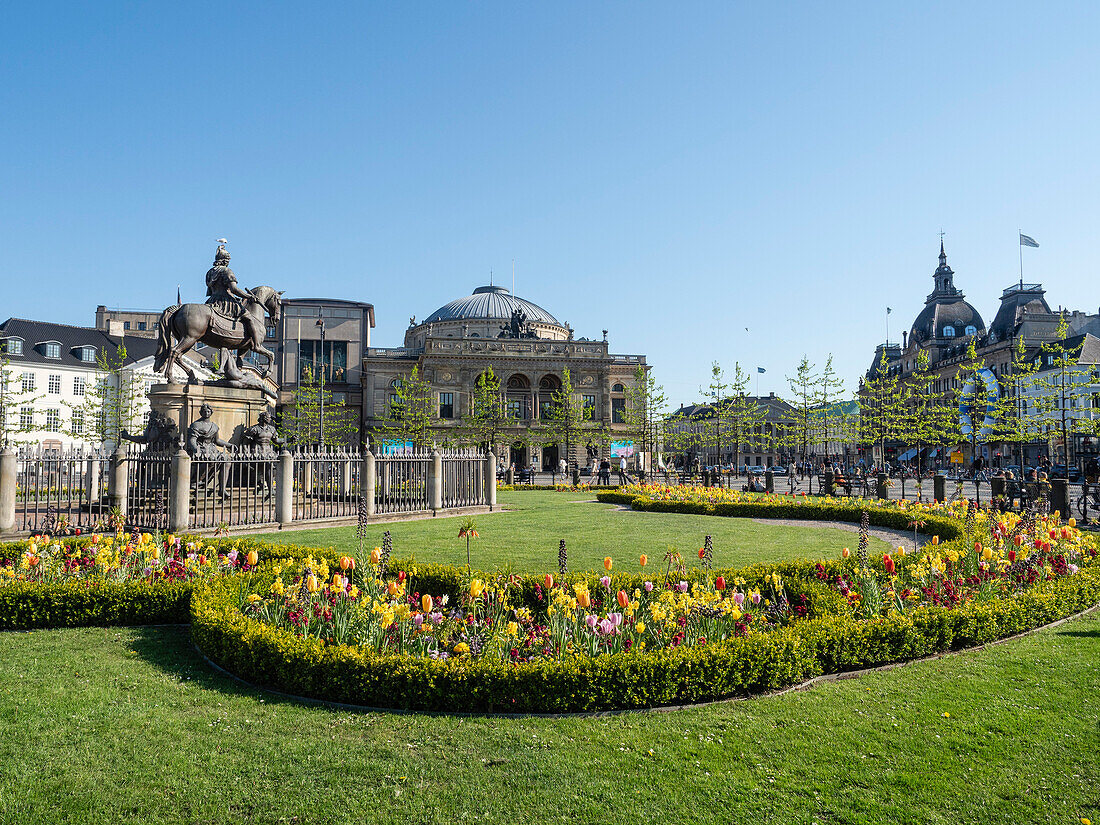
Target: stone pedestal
(235, 410)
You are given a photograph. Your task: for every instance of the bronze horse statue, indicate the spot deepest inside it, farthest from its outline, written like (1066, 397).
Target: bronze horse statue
(190, 324)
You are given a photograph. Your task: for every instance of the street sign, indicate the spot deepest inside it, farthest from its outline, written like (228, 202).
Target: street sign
(957, 458)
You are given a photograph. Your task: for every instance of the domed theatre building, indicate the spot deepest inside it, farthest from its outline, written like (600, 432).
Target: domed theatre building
(528, 350)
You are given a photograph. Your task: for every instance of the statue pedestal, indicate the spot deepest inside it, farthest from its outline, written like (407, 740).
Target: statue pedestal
(235, 410)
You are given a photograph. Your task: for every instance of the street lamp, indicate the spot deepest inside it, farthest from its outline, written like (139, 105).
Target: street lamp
(321, 389)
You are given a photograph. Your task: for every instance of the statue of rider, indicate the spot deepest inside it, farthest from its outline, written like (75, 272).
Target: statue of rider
(223, 293)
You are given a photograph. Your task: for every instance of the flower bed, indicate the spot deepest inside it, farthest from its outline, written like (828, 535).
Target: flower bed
(526, 644)
(555, 488)
(390, 633)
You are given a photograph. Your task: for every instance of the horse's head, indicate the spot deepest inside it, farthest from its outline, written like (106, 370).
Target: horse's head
(271, 300)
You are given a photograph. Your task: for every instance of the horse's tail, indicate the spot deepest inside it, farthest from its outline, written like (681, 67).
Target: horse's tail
(164, 339)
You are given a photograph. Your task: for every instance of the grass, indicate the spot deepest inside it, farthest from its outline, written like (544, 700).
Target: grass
(125, 725)
(525, 537)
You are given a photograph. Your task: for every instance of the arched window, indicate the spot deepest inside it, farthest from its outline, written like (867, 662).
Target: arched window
(549, 383)
(519, 382)
(971, 330)
(395, 384)
(618, 388)
(948, 332)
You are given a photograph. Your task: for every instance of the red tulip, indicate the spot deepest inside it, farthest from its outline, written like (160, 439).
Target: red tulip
(401, 577)
(1018, 540)
(888, 563)
(623, 599)
(1012, 554)
(702, 552)
(720, 583)
(549, 582)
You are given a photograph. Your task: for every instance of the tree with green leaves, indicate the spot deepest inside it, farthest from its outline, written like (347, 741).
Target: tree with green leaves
(718, 398)
(802, 429)
(486, 423)
(1063, 383)
(410, 414)
(300, 421)
(973, 396)
(880, 411)
(17, 402)
(566, 419)
(111, 404)
(744, 414)
(646, 404)
(927, 419)
(1018, 422)
(830, 395)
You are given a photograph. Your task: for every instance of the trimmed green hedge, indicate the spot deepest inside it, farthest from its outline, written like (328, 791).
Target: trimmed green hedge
(28, 605)
(807, 509)
(758, 662)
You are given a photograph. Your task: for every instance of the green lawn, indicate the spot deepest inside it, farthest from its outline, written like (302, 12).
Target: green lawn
(131, 726)
(525, 536)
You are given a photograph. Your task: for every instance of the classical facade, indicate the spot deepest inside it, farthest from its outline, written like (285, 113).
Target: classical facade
(693, 432)
(528, 350)
(947, 325)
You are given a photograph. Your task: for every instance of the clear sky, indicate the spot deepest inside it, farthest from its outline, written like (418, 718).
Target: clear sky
(673, 172)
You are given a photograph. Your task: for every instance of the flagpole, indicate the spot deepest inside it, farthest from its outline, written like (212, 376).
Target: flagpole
(1019, 237)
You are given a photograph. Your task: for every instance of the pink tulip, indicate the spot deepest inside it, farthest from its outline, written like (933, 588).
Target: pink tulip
(739, 599)
(605, 581)
(648, 587)
(756, 598)
(683, 587)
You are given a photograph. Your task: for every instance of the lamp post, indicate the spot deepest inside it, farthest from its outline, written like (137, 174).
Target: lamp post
(321, 388)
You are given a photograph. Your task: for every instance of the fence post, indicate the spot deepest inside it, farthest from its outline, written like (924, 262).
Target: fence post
(116, 483)
(435, 481)
(179, 493)
(367, 481)
(1059, 497)
(491, 479)
(284, 488)
(345, 475)
(92, 487)
(769, 481)
(882, 490)
(939, 487)
(8, 480)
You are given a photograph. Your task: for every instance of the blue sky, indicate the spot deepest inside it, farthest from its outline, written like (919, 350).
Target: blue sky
(673, 172)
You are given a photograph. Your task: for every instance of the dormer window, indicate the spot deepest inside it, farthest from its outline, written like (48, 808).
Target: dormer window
(14, 346)
(87, 354)
(971, 330)
(948, 332)
(51, 349)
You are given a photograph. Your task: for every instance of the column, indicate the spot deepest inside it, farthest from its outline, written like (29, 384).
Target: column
(116, 494)
(435, 481)
(8, 480)
(491, 479)
(284, 488)
(179, 493)
(367, 481)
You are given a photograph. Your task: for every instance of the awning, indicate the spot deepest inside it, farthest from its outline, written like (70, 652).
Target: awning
(908, 454)
(933, 453)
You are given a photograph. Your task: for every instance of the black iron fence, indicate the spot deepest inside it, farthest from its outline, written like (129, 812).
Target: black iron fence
(59, 492)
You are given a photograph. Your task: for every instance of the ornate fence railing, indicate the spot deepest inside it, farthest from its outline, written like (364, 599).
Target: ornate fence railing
(60, 491)
(148, 490)
(401, 482)
(326, 484)
(463, 478)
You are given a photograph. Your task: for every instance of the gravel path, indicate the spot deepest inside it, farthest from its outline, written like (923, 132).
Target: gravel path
(887, 534)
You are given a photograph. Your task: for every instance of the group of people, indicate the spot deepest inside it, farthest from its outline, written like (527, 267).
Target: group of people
(601, 472)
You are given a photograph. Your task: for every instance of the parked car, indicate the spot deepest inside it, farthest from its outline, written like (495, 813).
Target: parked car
(778, 470)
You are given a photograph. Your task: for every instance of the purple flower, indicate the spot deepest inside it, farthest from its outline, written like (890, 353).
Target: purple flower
(590, 620)
(739, 599)
(1073, 568)
(606, 581)
(648, 587)
(232, 556)
(683, 587)
(436, 618)
(756, 598)
(418, 620)
(606, 626)
(617, 618)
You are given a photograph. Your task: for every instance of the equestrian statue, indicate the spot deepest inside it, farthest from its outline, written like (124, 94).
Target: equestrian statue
(231, 319)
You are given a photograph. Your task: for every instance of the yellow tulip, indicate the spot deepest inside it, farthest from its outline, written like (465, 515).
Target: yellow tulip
(583, 599)
(1072, 522)
(376, 555)
(311, 583)
(338, 581)
(607, 563)
(512, 629)
(252, 558)
(476, 588)
(347, 563)
(426, 603)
